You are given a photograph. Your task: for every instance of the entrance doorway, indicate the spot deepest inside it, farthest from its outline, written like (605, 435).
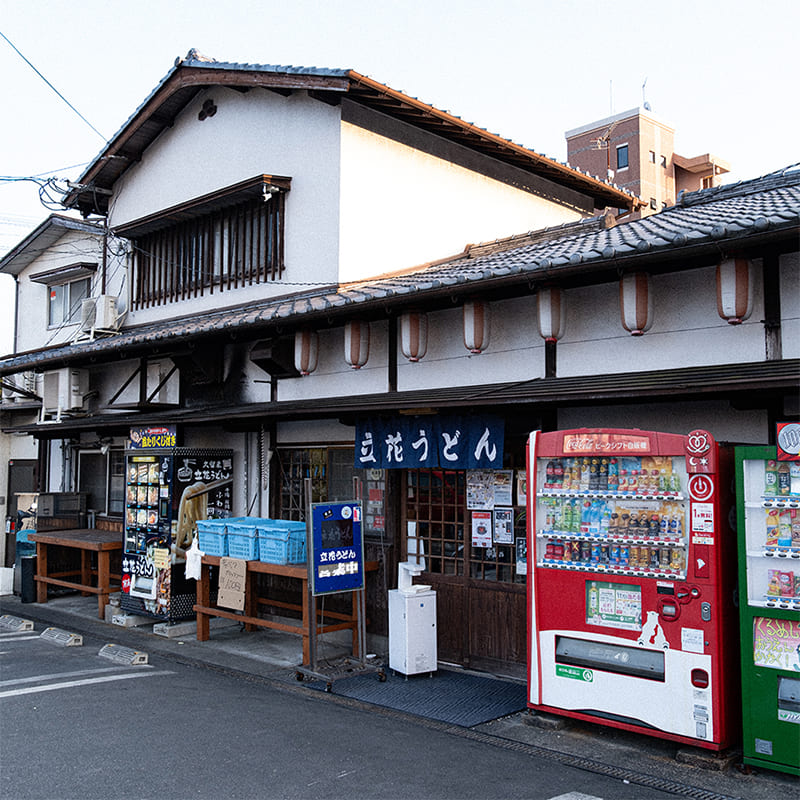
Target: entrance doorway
(481, 614)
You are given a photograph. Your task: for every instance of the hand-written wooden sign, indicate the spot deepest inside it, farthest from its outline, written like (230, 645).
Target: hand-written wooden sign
(232, 573)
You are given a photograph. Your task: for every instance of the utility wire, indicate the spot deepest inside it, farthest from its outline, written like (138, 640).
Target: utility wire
(53, 87)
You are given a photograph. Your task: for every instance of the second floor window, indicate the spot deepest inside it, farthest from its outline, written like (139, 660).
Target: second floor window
(231, 239)
(64, 302)
(622, 156)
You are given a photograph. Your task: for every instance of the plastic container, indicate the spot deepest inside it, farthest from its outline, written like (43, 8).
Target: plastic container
(213, 537)
(281, 541)
(242, 539)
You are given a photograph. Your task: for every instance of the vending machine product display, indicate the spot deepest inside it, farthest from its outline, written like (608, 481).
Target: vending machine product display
(167, 490)
(631, 615)
(768, 517)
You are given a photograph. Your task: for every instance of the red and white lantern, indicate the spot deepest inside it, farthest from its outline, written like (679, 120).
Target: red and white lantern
(306, 351)
(636, 303)
(552, 313)
(735, 290)
(356, 343)
(414, 335)
(476, 326)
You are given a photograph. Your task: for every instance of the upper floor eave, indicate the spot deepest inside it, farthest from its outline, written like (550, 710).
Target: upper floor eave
(194, 74)
(750, 219)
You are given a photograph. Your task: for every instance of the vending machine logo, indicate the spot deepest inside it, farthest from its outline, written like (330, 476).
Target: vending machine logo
(700, 455)
(698, 442)
(788, 441)
(701, 488)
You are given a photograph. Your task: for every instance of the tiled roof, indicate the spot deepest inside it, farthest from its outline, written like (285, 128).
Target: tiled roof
(746, 214)
(195, 73)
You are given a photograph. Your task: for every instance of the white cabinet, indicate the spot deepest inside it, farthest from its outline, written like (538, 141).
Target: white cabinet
(412, 632)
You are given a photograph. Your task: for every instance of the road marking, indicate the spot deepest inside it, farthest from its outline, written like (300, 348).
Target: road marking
(57, 675)
(576, 796)
(51, 687)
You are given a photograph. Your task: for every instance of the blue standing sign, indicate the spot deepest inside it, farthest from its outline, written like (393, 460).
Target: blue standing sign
(337, 548)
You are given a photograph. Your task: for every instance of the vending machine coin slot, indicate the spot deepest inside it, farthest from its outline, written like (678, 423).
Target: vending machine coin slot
(669, 610)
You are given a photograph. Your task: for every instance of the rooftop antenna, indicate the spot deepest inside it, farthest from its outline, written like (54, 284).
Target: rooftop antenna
(644, 101)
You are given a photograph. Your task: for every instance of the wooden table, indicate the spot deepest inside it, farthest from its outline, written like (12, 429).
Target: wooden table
(249, 616)
(87, 541)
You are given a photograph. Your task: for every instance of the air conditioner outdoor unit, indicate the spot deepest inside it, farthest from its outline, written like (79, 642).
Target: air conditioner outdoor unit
(63, 390)
(99, 314)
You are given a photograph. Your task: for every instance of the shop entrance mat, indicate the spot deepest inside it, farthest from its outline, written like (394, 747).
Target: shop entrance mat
(455, 697)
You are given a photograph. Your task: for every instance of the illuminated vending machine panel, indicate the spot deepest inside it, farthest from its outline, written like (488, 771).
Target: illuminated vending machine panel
(768, 515)
(626, 605)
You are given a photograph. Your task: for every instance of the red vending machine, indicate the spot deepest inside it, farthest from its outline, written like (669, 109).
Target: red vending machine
(631, 615)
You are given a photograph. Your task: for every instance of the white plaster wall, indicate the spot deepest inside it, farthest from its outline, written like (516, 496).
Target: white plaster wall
(723, 422)
(515, 351)
(313, 433)
(790, 305)
(401, 207)
(255, 133)
(687, 330)
(32, 308)
(334, 377)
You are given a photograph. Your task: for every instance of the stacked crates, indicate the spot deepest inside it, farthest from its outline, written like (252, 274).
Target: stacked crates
(213, 536)
(281, 541)
(273, 541)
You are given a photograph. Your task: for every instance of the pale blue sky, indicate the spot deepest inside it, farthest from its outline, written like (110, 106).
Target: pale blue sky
(723, 74)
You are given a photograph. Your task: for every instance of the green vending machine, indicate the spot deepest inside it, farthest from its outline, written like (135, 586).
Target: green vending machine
(768, 519)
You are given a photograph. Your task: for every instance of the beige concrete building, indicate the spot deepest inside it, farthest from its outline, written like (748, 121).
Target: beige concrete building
(635, 150)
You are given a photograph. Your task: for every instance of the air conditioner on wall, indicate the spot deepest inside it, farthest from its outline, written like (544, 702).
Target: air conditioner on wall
(99, 314)
(63, 392)
(22, 380)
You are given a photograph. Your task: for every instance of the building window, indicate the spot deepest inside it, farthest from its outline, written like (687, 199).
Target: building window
(653, 203)
(334, 478)
(439, 530)
(64, 302)
(708, 182)
(664, 161)
(231, 239)
(102, 476)
(652, 156)
(622, 156)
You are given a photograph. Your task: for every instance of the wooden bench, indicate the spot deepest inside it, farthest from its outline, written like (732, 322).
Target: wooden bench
(249, 616)
(89, 580)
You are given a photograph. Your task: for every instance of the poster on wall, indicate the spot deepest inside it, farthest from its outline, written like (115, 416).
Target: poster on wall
(776, 643)
(504, 526)
(522, 555)
(480, 489)
(522, 487)
(503, 487)
(481, 528)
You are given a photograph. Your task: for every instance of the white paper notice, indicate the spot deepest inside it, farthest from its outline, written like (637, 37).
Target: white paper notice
(692, 640)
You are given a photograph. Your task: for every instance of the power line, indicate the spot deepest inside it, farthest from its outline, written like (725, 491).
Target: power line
(53, 87)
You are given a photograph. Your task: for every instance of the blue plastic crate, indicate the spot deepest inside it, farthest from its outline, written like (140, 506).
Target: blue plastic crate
(281, 541)
(213, 537)
(242, 539)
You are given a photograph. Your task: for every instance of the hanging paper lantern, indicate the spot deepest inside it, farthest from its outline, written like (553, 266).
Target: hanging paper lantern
(306, 351)
(476, 326)
(356, 344)
(552, 313)
(735, 290)
(414, 335)
(636, 303)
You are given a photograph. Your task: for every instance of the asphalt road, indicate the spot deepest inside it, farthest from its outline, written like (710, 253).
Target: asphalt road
(77, 725)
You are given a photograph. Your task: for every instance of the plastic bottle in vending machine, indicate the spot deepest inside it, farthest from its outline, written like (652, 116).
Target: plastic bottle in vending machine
(785, 529)
(584, 481)
(558, 474)
(602, 483)
(771, 478)
(586, 511)
(549, 474)
(784, 479)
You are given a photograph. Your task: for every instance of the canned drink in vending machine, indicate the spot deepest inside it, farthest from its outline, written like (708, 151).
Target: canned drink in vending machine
(624, 555)
(654, 558)
(586, 552)
(613, 555)
(663, 558)
(575, 551)
(595, 557)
